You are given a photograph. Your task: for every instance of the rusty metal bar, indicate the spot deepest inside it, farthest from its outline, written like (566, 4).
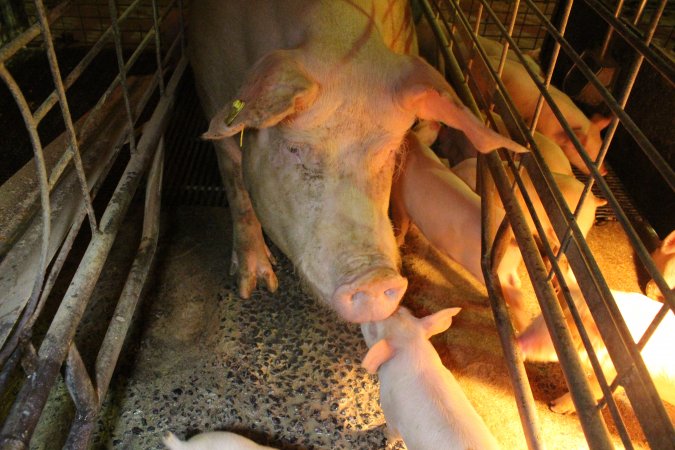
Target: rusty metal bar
(158, 46)
(84, 63)
(19, 42)
(65, 112)
(122, 317)
(122, 71)
(84, 396)
(32, 397)
(41, 170)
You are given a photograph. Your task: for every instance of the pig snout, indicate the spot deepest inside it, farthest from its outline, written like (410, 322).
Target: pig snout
(372, 296)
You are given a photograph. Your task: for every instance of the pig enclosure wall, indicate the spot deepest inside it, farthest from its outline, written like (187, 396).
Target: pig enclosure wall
(37, 327)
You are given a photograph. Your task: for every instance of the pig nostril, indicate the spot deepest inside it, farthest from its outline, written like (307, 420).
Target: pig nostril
(359, 296)
(392, 292)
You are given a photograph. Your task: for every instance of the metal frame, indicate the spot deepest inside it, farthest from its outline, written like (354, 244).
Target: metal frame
(623, 351)
(39, 244)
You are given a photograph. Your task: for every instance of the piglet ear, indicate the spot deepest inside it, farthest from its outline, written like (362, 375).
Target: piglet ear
(668, 244)
(379, 353)
(439, 321)
(275, 88)
(426, 93)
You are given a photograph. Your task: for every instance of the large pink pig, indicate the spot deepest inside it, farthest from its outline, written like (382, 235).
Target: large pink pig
(664, 258)
(637, 311)
(325, 91)
(420, 398)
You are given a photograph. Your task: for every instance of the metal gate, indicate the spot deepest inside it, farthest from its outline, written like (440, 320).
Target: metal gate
(44, 203)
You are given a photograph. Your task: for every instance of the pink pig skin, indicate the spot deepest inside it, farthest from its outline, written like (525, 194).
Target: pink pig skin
(447, 212)
(637, 311)
(329, 90)
(421, 400)
(215, 440)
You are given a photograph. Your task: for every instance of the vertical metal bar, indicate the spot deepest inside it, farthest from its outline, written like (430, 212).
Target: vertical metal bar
(158, 47)
(610, 31)
(630, 82)
(65, 112)
(41, 170)
(551, 67)
(122, 70)
(84, 396)
(514, 361)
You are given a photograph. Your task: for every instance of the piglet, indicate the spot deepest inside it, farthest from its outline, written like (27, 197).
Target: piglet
(664, 258)
(638, 311)
(215, 440)
(421, 400)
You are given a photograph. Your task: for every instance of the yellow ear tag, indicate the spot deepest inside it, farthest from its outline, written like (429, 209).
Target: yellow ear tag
(241, 138)
(237, 106)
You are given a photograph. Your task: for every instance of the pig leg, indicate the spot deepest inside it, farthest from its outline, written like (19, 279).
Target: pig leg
(250, 256)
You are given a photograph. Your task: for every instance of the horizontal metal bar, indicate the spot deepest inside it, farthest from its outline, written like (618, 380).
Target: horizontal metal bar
(32, 397)
(19, 42)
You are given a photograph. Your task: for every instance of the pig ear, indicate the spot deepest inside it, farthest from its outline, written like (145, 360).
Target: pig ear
(275, 88)
(430, 97)
(379, 353)
(600, 121)
(668, 244)
(439, 321)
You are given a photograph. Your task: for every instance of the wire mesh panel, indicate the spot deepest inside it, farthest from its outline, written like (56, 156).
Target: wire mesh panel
(591, 328)
(47, 199)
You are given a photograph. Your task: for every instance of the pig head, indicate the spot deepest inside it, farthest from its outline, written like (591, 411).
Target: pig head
(325, 95)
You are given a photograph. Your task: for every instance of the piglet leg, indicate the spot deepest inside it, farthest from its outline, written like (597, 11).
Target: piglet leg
(251, 258)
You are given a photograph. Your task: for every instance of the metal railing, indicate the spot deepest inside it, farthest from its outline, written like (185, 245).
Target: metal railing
(454, 31)
(56, 199)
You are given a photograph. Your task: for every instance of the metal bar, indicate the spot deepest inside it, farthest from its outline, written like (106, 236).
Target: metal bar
(117, 330)
(84, 63)
(122, 70)
(158, 47)
(630, 81)
(514, 361)
(659, 62)
(637, 244)
(89, 122)
(65, 112)
(551, 66)
(41, 170)
(660, 164)
(592, 422)
(118, 327)
(19, 42)
(610, 31)
(84, 396)
(32, 397)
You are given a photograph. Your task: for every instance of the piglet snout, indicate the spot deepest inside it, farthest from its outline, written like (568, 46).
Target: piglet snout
(372, 296)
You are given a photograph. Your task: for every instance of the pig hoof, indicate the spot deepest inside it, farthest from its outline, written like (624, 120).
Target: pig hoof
(562, 405)
(253, 264)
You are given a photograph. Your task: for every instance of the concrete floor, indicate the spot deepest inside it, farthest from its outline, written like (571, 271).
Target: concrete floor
(282, 369)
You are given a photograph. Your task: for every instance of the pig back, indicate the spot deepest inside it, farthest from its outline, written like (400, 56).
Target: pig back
(226, 38)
